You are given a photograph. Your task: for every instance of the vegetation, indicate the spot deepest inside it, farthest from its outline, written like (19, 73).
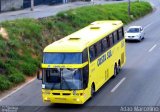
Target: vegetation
(21, 51)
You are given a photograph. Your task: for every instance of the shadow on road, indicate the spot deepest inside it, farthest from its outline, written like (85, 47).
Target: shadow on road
(134, 41)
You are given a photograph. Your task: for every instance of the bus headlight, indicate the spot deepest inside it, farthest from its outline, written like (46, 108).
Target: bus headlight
(47, 99)
(77, 100)
(46, 92)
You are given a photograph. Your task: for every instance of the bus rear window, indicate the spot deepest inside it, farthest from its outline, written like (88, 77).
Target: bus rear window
(62, 58)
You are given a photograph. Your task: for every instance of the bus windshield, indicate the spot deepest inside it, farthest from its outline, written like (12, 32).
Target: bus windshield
(63, 79)
(62, 58)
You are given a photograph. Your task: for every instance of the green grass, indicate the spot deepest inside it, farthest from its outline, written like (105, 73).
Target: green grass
(4, 83)
(16, 77)
(21, 53)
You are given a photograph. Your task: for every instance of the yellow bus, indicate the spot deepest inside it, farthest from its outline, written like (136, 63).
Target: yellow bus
(76, 66)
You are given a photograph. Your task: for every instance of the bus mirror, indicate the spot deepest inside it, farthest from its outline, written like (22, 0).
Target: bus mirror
(39, 75)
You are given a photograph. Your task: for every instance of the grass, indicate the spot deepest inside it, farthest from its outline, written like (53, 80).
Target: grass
(21, 53)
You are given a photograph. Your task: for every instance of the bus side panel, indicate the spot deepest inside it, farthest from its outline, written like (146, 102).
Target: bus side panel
(123, 53)
(101, 74)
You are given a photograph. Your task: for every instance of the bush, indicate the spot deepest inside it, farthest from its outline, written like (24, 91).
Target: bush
(16, 77)
(2, 65)
(81, 17)
(4, 83)
(28, 59)
(3, 44)
(14, 43)
(28, 68)
(12, 54)
(65, 28)
(11, 69)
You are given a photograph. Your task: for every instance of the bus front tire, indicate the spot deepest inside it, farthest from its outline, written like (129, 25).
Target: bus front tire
(115, 71)
(119, 68)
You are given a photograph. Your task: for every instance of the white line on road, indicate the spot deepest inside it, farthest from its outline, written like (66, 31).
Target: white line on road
(121, 81)
(17, 89)
(151, 49)
(148, 25)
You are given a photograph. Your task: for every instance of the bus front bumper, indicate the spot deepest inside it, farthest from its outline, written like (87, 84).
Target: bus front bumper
(63, 97)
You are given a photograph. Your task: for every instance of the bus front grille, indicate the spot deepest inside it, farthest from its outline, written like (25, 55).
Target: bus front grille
(56, 93)
(66, 93)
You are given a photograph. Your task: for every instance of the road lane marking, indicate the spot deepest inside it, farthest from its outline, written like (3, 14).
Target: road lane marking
(17, 89)
(151, 49)
(148, 25)
(121, 81)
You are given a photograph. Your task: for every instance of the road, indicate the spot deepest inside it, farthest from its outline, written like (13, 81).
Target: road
(136, 85)
(45, 10)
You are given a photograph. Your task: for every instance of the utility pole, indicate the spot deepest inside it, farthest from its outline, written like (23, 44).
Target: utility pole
(32, 5)
(129, 7)
(92, 1)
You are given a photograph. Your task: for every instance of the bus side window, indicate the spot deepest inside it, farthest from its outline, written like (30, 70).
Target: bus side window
(85, 76)
(111, 40)
(85, 56)
(114, 41)
(115, 36)
(98, 48)
(104, 44)
(120, 32)
(95, 50)
(92, 53)
(108, 42)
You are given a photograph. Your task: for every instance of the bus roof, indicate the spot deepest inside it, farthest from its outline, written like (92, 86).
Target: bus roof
(79, 40)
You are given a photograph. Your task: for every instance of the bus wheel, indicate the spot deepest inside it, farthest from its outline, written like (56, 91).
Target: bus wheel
(119, 67)
(92, 90)
(115, 71)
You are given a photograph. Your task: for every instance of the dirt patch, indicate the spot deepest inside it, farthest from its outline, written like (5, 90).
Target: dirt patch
(4, 33)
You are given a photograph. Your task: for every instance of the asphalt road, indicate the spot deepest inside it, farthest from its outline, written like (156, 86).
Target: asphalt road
(45, 10)
(138, 84)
